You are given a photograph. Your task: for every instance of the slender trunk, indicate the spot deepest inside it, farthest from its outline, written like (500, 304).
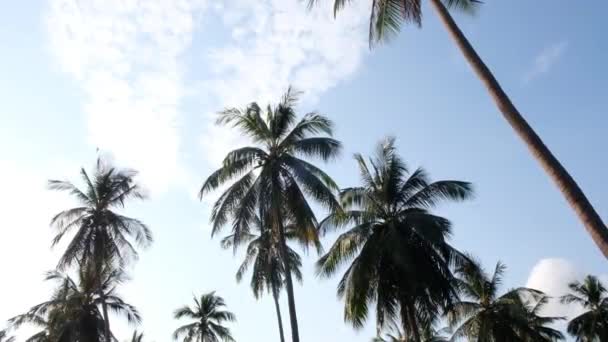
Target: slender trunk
(106, 319)
(295, 336)
(275, 296)
(409, 322)
(566, 184)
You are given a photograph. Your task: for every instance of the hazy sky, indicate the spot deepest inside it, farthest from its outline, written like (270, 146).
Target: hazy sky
(141, 80)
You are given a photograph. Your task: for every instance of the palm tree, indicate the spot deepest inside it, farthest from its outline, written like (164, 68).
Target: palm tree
(592, 325)
(208, 315)
(401, 259)
(274, 180)
(137, 337)
(483, 315)
(427, 334)
(387, 17)
(102, 233)
(4, 337)
(263, 252)
(73, 311)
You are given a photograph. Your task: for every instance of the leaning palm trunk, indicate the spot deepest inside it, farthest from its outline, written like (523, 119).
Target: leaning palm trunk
(275, 296)
(566, 184)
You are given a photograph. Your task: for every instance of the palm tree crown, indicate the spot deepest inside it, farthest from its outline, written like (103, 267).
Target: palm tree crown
(73, 312)
(137, 337)
(263, 253)
(4, 337)
(101, 232)
(387, 16)
(208, 317)
(483, 315)
(591, 325)
(400, 256)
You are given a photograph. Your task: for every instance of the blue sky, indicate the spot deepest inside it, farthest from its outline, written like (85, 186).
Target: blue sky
(72, 69)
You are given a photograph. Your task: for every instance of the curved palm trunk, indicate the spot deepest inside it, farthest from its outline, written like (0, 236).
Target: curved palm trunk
(295, 336)
(275, 296)
(566, 184)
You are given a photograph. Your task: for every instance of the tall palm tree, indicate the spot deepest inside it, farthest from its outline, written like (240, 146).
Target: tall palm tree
(401, 259)
(483, 315)
(263, 252)
(273, 179)
(4, 337)
(592, 325)
(387, 17)
(137, 337)
(208, 315)
(102, 233)
(73, 312)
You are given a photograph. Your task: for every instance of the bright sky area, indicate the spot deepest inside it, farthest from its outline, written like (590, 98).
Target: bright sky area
(141, 80)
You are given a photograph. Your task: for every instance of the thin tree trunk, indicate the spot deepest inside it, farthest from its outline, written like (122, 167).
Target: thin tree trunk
(106, 319)
(275, 296)
(295, 336)
(408, 320)
(566, 184)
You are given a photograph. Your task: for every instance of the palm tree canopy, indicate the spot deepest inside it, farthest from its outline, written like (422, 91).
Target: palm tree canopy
(485, 316)
(101, 232)
(137, 337)
(387, 16)
(398, 249)
(592, 296)
(263, 254)
(73, 312)
(207, 318)
(4, 337)
(272, 176)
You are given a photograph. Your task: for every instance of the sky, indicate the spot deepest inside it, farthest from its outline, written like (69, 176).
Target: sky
(142, 80)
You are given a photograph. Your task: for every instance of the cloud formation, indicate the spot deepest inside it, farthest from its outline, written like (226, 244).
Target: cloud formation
(275, 43)
(124, 55)
(545, 60)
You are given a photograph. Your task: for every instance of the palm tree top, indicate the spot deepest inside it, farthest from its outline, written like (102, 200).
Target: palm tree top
(208, 315)
(387, 16)
(101, 232)
(275, 160)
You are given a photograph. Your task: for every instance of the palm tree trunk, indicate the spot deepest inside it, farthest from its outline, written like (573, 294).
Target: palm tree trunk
(295, 335)
(408, 320)
(106, 319)
(566, 184)
(275, 296)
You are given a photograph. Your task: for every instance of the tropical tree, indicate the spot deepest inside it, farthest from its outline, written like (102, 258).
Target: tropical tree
(208, 317)
(386, 19)
(4, 337)
(137, 337)
(398, 250)
(591, 295)
(483, 315)
(273, 179)
(73, 312)
(102, 234)
(427, 334)
(263, 252)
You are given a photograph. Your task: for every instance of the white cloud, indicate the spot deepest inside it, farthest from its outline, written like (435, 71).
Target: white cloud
(552, 276)
(273, 44)
(545, 60)
(124, 54)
